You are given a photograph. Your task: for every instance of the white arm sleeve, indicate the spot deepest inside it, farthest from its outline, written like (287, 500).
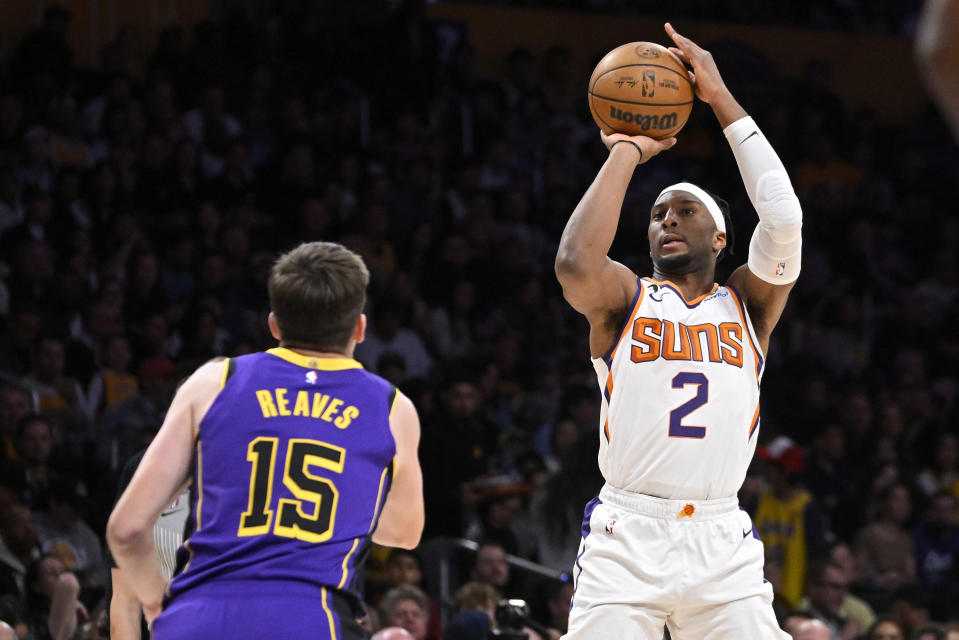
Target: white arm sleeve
(776, 246)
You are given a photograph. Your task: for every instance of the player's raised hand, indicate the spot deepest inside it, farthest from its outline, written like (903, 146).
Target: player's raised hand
(646, 147)
(705, 75)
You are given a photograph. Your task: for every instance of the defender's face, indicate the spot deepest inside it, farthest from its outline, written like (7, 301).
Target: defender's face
(682, 231)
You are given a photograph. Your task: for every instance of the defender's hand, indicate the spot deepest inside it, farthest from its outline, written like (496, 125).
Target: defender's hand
(643, 148)
(705, 75)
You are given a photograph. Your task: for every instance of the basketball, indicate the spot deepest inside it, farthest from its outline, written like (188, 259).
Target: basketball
(640, 89)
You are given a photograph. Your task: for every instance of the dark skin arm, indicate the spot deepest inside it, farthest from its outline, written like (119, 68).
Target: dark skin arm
(764, 301)
(593, 284)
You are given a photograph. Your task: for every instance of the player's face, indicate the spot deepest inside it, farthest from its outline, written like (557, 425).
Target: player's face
(682, 233)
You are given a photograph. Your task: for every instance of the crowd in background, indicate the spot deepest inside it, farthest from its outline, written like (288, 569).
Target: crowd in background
(143, 201)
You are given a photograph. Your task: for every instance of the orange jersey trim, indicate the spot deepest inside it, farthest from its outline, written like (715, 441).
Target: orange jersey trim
(742, 316)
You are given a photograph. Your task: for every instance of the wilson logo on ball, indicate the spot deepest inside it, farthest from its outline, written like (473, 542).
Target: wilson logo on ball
(663, 122)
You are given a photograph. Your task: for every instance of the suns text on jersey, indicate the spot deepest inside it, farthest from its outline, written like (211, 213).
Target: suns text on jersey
(308, 404)
(655, 338)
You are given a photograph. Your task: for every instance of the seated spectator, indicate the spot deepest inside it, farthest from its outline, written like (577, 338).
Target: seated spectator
(386, 333)
(885, 629)
(930, 632)
(15, 404)
(788, 519)
(406, 606)
(490, 566)
(59, 393)
(477, 596)
(35, 447)
(54, 606)
(403, 567)
(392, 633)
(18, 550)
(812, 629)
(884, 548)
(62, 531)
(944, 475)
(129, 426)
(826, 589)
(852, 606)
(113, 383)
(936, 539)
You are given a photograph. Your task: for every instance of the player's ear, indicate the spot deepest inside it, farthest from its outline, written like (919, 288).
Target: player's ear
(359, 331)
(274, 327)
(719, 241)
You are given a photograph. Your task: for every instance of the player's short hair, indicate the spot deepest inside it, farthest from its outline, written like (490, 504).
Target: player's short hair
(317, 291)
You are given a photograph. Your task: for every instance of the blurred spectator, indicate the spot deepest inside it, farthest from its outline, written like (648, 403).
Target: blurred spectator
(788, 520)
(62, 531)
(884, 548)
(54, 606)
(885, 630)
(386, 333)
(827, 588)
(936, 541)
(944, 474)
(490, 566)
(455, 450)
(60, 395)
(113, 383)
(852, 607)
(18, 550)
(127, 427)
(35, 442)
(392, 633)
(403, 567)
(15, 404)
(828, 477)
(406, 606)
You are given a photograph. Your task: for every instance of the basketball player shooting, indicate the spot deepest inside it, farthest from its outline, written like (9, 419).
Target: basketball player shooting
(679, 360)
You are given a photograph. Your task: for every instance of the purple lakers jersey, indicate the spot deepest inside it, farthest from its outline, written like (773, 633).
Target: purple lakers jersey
(293, 463)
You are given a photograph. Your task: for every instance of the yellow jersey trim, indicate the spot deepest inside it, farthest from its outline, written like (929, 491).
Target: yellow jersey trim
(329, 614)
(346, 558)
(312, 362)
(226, 373)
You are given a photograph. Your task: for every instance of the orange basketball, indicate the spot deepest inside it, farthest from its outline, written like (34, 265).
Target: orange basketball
(640, 89)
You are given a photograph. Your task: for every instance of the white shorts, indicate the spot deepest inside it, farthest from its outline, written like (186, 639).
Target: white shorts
(647, 563)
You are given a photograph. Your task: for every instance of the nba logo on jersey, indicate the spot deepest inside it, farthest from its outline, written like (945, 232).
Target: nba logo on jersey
(311, 377)
(609, 526)
(780, 268)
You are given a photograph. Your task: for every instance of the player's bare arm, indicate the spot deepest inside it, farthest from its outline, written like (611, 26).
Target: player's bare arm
(769, 275)
(402, 519)
(124, 609)
(162, 474)
(594, 284)
(937, 52)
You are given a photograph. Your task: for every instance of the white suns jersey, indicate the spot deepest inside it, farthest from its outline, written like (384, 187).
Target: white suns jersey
(680, 407)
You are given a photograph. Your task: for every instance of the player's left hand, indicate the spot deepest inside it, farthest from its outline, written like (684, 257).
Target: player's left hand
(705, 74)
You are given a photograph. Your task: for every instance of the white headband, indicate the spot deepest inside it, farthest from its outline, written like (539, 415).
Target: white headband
(706, 199)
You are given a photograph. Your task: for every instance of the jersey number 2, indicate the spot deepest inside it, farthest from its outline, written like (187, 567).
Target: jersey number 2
(293, 520)
(676, 427)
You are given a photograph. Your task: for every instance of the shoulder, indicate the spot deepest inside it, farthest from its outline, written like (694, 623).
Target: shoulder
(208, 376)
